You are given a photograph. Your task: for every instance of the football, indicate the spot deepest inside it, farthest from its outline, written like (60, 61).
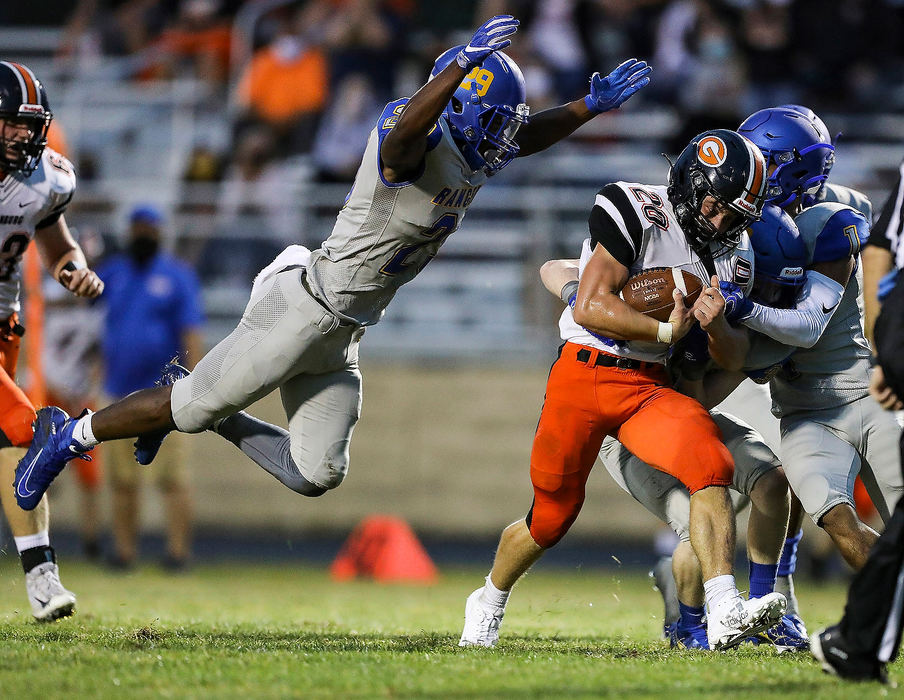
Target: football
(650, 291)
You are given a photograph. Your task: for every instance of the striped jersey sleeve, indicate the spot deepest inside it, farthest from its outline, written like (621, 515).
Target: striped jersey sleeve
(615, 224)
(888, 229)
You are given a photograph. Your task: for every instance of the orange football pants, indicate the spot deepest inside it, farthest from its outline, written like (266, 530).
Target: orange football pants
(16, 411)
(583, 404)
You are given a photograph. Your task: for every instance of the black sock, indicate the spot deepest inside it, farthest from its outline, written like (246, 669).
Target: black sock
(36, 555)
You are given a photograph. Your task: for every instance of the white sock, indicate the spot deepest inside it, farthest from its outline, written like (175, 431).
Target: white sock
(39, 539)
(82, 432)
(492, 596)
(719, 590)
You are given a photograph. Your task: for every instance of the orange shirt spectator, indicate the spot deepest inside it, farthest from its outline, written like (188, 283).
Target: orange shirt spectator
(283, 82)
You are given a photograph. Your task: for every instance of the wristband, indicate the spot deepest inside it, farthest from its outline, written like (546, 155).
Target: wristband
(568, 290)
(664, 333)
(70, 266)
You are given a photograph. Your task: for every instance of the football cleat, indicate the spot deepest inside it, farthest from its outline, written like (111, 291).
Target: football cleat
(49, 600)
(795, 620)
(729, 624)
(481, 623)
(147, 446)
(681, 637)
(52, 447)
(831, 650)
(786, 635)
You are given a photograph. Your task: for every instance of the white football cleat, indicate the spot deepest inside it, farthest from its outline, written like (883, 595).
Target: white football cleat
(732, 622)
(49, 600)
(481, 623)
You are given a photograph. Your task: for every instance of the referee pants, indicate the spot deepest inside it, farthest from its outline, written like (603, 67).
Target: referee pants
(874, 613)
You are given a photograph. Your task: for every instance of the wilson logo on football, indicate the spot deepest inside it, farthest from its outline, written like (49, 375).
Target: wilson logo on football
(711, 151)
(640, 284)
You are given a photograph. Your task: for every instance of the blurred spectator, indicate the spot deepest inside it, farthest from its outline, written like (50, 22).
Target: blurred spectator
(153, 313)
(196, 43)
(286, 84)
(557, 38)
(698, 67)
(345, 128)
(766, 40)
(367, 37)
(98, 28)
(70, 365)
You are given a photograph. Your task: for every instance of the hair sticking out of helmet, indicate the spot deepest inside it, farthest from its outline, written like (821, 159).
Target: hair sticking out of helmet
(797, 145)
(486, 110)
(24, 118)
(725, 166)
(780, 256)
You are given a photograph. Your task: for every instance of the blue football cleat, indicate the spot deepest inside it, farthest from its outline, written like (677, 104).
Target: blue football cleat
(147, 446)
(682, 637)
(786, 635)
(52, 447)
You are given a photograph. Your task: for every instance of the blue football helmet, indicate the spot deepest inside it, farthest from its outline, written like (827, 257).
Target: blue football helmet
(797, 143)
(780, 256)
(486, 110)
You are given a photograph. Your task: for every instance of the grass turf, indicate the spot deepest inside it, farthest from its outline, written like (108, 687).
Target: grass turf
(240, 630)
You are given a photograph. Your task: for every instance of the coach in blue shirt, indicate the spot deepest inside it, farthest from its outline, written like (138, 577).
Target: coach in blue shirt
(153, 308)
(153, 314)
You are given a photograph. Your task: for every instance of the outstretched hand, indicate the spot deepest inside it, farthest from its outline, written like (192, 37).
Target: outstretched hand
(613, 90)
(492, 36)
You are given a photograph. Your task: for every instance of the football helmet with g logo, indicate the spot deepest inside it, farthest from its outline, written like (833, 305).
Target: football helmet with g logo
(728, 167)
(486, 110)
(24, 118)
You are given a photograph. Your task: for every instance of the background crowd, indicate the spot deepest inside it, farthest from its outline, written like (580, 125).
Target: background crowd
(234, 127)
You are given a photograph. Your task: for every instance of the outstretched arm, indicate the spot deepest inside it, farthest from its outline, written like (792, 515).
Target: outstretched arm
(404, 147)
(552, 125)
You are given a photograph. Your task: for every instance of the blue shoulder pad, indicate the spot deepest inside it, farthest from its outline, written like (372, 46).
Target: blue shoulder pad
(841, 236)
(390, 117)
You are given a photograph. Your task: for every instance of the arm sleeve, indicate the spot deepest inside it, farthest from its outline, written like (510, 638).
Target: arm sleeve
(803, 325)
(615, 225)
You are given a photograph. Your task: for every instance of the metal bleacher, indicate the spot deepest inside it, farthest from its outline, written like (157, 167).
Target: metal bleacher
(480, 295)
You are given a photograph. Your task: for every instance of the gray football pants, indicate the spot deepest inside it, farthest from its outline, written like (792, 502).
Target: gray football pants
(823, 451)
(285, 340)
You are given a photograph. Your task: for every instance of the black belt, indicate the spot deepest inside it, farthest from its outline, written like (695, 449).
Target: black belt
(605, 360)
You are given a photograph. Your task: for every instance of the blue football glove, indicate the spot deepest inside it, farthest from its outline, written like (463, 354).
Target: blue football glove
(610, 92)
(492, 36)
(737, 306)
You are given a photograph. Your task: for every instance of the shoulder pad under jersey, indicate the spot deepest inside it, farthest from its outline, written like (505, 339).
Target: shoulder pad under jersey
(390, 117)
(852, 198)
(832, 231)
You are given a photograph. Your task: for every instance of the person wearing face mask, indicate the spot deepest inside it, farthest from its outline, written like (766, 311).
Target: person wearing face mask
(153, 314)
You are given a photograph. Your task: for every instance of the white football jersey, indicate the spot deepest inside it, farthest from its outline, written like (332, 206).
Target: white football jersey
(387, 232)
(28, 203)
(637, 225)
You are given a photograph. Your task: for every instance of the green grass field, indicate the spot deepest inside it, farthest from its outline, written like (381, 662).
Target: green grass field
(284, 630)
